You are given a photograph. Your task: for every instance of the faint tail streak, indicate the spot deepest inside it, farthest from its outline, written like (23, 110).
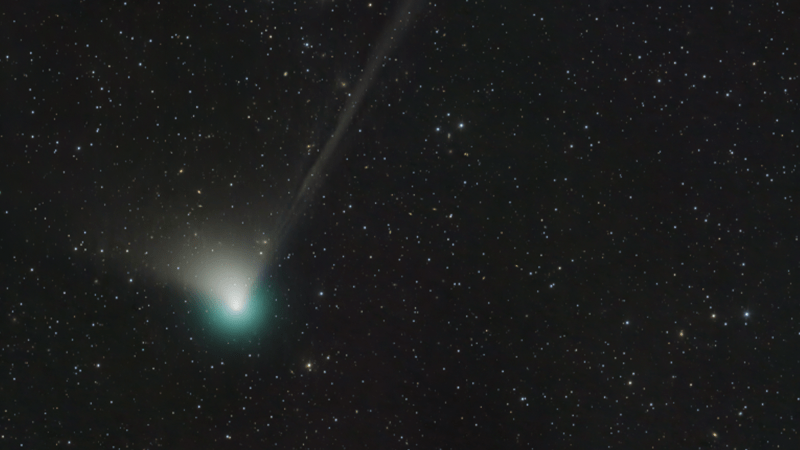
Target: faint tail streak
(388, 40)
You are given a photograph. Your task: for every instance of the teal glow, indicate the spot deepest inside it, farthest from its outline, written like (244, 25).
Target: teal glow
(236, 313)
(231, 303)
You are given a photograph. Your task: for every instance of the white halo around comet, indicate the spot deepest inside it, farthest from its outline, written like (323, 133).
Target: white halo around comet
(227, 279)
(225, 283)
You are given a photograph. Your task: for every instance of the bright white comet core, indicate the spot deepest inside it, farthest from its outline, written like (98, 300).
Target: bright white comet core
(228, 280)
(226, 284)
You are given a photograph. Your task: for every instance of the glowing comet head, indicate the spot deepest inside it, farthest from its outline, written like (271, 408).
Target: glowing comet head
(230, 295)
(233, 291)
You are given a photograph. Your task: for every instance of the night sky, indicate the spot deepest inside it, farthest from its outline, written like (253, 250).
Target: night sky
(399, 224)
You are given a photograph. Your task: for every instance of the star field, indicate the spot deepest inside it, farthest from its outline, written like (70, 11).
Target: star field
(330, 224)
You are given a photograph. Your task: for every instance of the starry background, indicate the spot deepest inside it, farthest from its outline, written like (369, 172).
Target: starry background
(548, 225)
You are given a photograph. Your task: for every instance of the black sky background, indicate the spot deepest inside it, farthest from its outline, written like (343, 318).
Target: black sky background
(549, 225)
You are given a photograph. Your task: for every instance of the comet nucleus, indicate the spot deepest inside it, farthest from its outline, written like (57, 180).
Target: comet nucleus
(230, 295)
